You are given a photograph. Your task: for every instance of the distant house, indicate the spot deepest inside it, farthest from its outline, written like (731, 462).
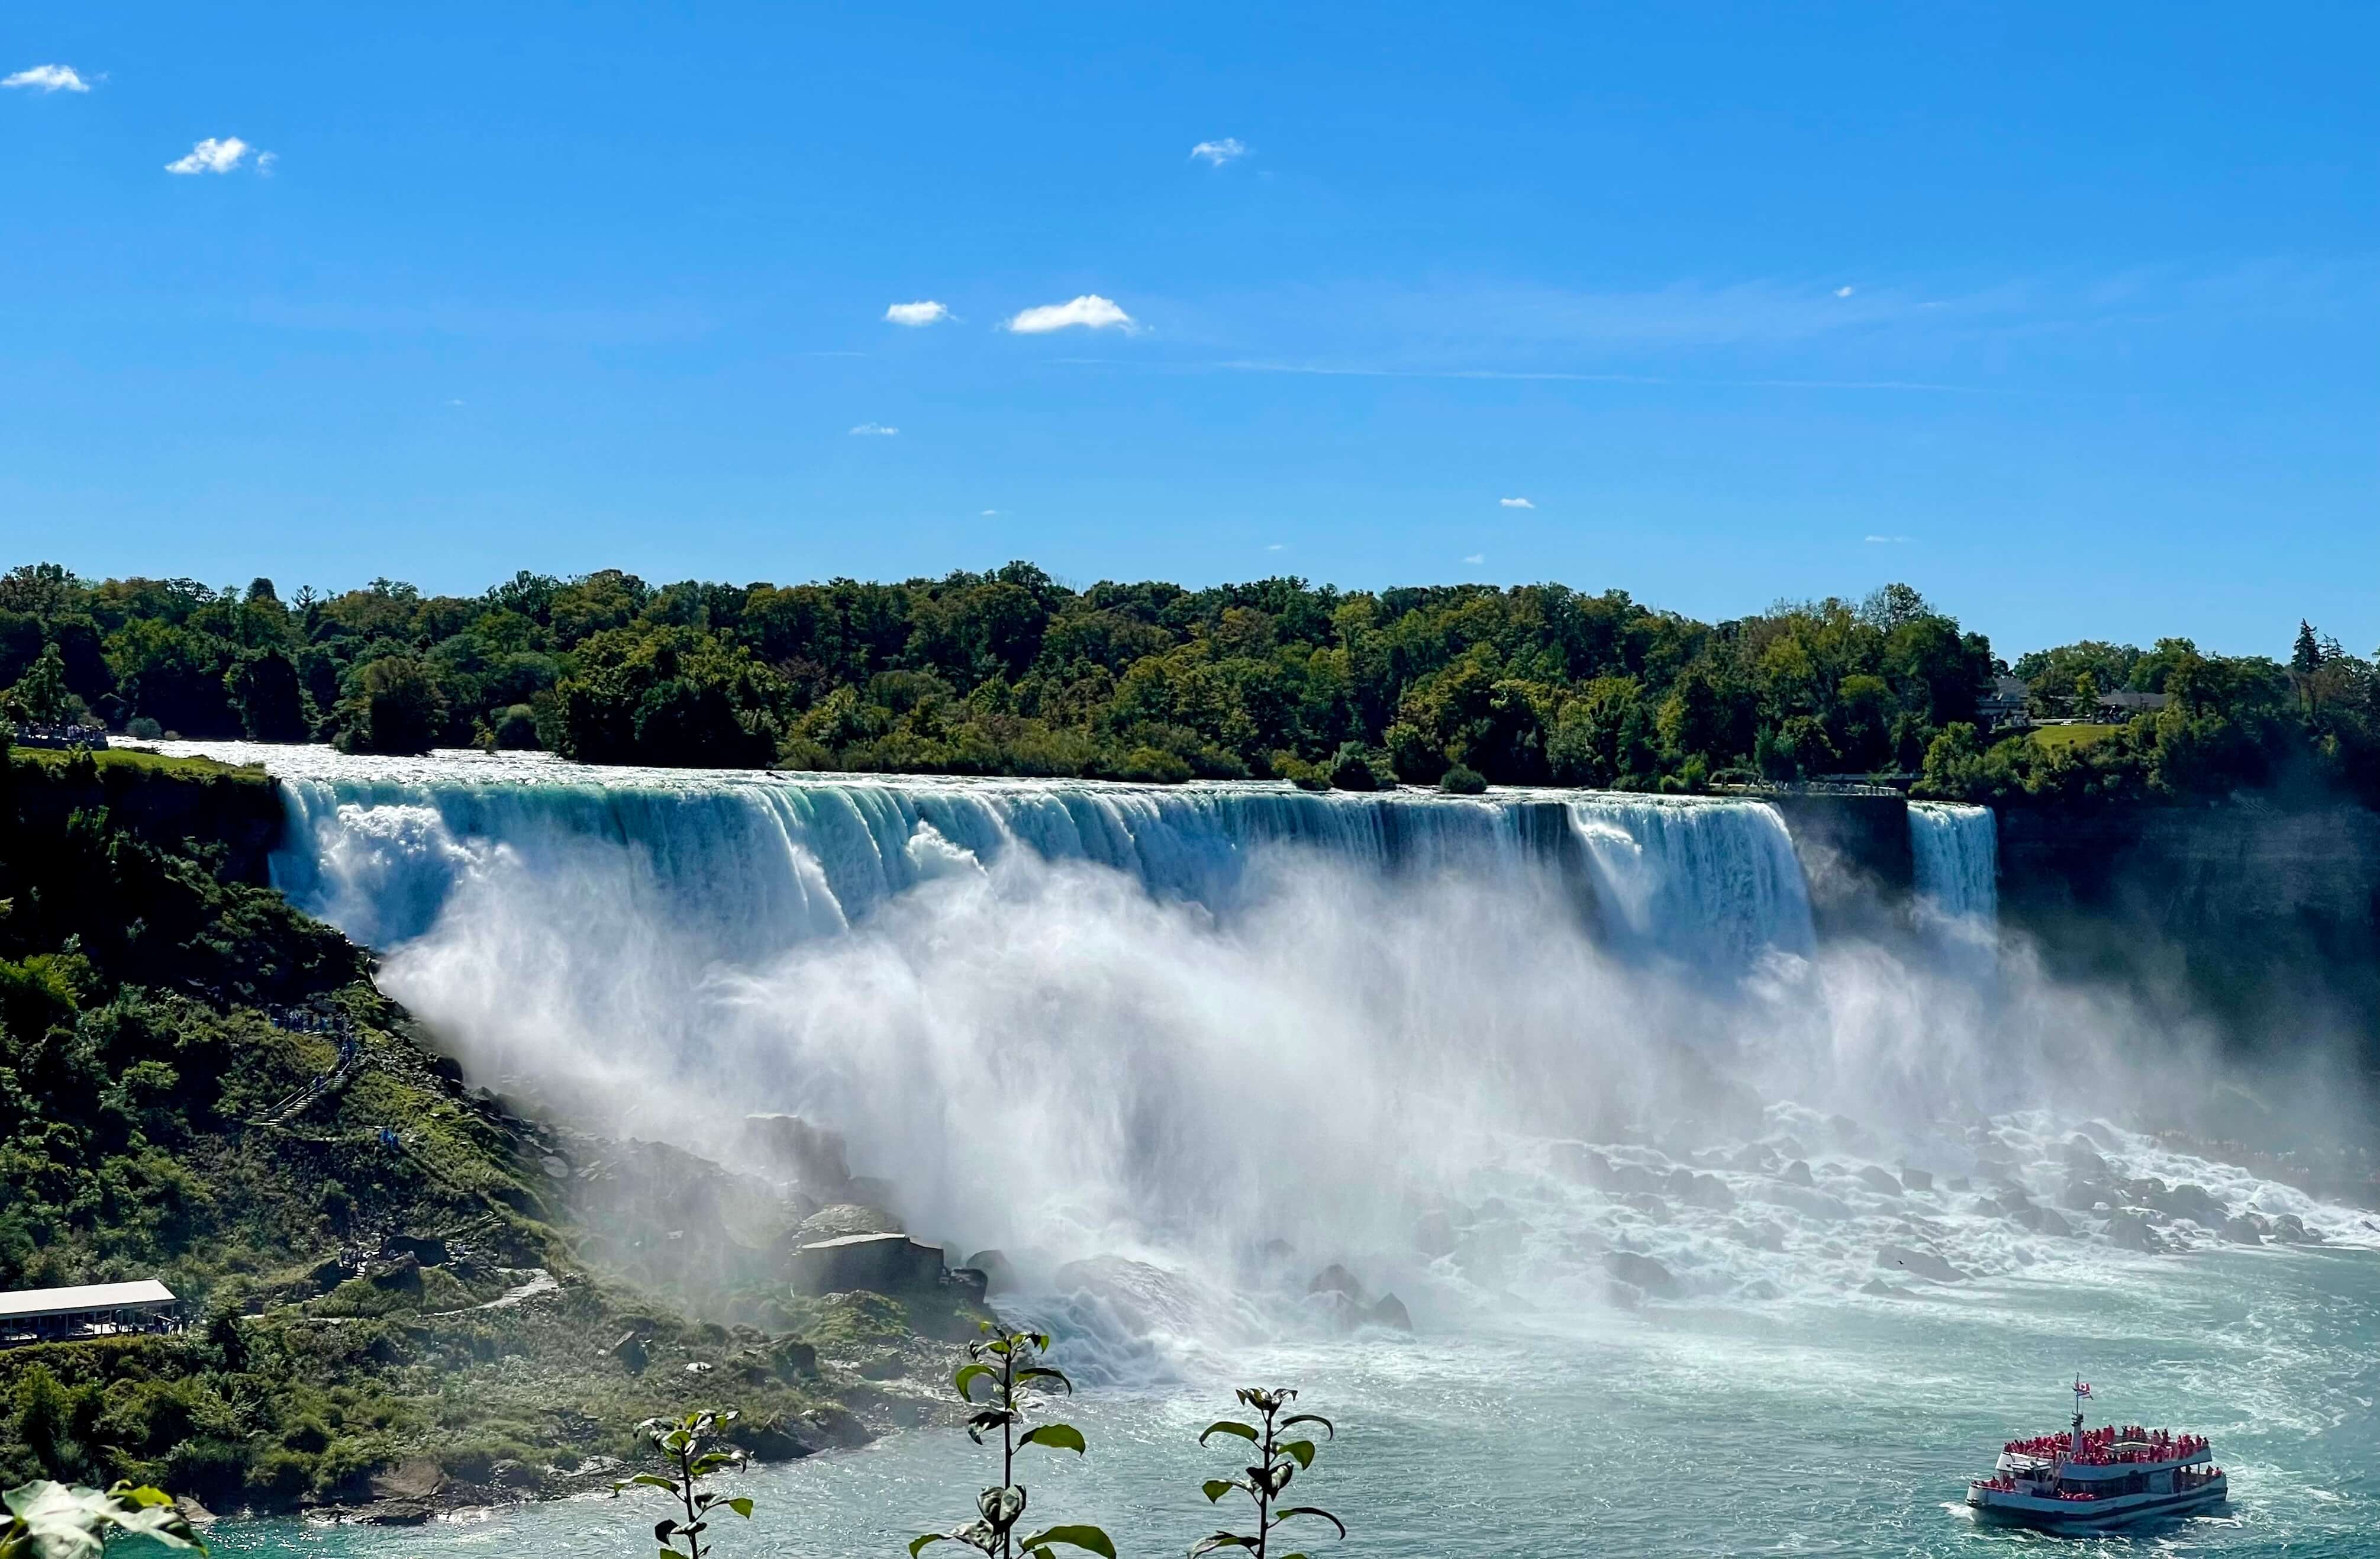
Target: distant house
(63, 738)
(2003, 708)
(39, 1315)
(2124, 706)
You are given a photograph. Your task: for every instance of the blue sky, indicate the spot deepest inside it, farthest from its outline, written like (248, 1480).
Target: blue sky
(2069, 316)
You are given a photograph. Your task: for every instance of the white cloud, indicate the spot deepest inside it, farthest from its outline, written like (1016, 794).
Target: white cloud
(873, 430)
(48, 78)
(1516, 503)
(1215, 153)
(1475, 557)
(924, 311)
(1887, 541)
(264, 161)
(1275, 547)
(993, 514)
(211, 156)
(1090, 310)
(1842, 292)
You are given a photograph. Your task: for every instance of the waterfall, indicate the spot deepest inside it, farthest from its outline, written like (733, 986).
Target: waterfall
(1956, 852)
(751, 863)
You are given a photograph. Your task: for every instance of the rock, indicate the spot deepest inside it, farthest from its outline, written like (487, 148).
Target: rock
(1960, 1183)
(845, 1218)
(1875, 1288)
(402, 1276)
(2289, 1229)
(769, 1439)
(812, 1156)
(1389, 1312)
(1434, 1235)
(1879, 1179)
(838, 1427)
(1336, 1279)
(999, 1272)
(792, 1356)
(2081, 1196)
(973, 1283)
(2194, 1202)
(1651, 1206)
(1642, 1272)
(1916, 1180)
(516, 1475)
(2243, 1231)
(193, 1512)
(1798, 1174)
(2040, 1220)
(881, 1263)
(555, 1168)
(2131, 1231)
(415, 1477)
(426, 1249)
(328, 1274)
(1699, 1190)
(393, 1513)
(630, 1351)
(2084, 1160)
(1919, 1263)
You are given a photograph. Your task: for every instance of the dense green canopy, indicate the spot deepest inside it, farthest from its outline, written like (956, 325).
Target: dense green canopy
(1009, 672)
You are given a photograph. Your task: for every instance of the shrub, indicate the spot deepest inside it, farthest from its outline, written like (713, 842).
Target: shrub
(1461, 781)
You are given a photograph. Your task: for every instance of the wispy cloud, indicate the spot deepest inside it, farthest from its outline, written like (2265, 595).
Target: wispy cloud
(212, 155)
(924, 311)
(1844, 291)
(1091, 312)
(993, 514)
(873, 430)
(1887, 541)
(1215, 153)
(1516, 503)
(48, 78)
(1475, 557)
(1274, 547)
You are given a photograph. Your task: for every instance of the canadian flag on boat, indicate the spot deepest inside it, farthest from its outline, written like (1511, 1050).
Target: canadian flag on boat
(2082, 1388)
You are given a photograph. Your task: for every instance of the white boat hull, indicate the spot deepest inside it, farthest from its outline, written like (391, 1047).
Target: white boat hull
(2092, 1515)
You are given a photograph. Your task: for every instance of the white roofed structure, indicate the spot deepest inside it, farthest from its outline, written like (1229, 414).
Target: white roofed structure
(91, 1308)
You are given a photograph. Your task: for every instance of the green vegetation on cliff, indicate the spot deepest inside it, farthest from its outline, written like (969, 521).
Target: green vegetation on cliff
(1009, 672)
(383, 1272)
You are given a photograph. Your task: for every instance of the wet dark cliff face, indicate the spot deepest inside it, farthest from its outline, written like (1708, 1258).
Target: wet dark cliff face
(2264, 918)
(1855, 857)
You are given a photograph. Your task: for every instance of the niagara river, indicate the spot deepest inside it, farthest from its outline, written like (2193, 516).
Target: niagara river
(1722, 1230)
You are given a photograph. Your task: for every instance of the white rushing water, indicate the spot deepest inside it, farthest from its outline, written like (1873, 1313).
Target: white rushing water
(1570, 1073)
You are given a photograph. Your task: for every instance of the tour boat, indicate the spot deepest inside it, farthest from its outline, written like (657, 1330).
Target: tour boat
(2090, 1481)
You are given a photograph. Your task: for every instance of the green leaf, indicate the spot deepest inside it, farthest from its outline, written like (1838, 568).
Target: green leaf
(1091, 1539)
(1221, 1539)
(741, 1506)
(1311, 1418)
(654, 1480)
(1226, 1426)
(1001, 1506)
(966, 1376)
(1043, 1372)
(1303, 1450)
(1058, 1437)
(919, 1544)
(1311, 1510)
(1215, 1488)
(664, 1530)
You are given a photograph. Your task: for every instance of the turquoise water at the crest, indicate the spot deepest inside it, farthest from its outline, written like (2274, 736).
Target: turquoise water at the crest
(1848, 1427)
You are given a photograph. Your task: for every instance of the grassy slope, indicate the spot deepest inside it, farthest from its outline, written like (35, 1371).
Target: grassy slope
(139, 1060)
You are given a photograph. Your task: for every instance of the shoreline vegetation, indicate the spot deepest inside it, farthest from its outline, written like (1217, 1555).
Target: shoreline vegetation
(1009, 672)
(399, 1295)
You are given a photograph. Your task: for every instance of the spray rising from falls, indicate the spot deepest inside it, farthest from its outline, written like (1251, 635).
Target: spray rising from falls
(1188, 1023)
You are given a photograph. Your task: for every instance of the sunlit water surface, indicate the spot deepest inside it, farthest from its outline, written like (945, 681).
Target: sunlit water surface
(1841, 1429)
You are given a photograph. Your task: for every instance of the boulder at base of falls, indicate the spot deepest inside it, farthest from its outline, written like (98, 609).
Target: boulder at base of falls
(1916, 1180)
(999, 1272)
(2040, 1220)
(1798, 1174)
(1336, 1279)
(1879, 1179)
(813, 1157)
(2083, 1160)
(881, 1263)
(2195, 1203)
(1918, 1263)
(2132, 1232)
(2242, 1230)
(845, 1218)
(2289, 1229)
(1699, 1190)
(1389, 1312)
(1434, 1235)
(1642, 1272)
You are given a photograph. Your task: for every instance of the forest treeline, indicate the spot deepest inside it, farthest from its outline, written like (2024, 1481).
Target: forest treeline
(1010, 673)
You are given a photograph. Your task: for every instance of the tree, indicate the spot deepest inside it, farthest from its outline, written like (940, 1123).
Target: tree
(396, 709)
(263, 688)
(40, 697)
(2306, 658)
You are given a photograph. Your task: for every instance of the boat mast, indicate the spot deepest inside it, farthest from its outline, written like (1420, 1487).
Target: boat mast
(2074, 1446)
